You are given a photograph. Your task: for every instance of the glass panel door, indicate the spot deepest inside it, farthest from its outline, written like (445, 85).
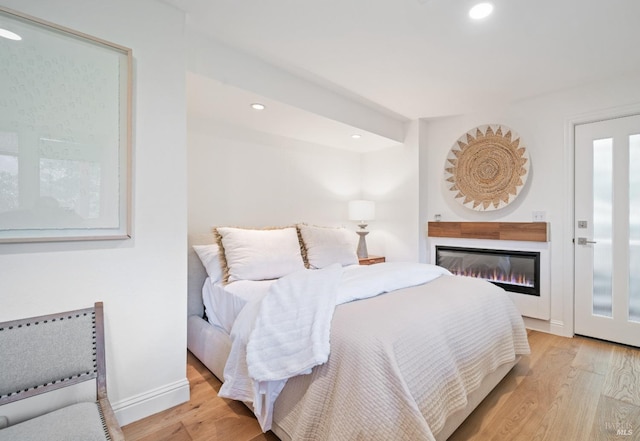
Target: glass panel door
(634, 228)
(607, 230)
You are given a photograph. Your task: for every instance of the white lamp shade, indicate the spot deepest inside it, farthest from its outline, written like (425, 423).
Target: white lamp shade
(362, 210)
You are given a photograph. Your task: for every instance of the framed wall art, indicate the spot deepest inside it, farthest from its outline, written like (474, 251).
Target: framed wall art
(65, 133)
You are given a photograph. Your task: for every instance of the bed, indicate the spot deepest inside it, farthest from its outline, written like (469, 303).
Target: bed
(393, 372)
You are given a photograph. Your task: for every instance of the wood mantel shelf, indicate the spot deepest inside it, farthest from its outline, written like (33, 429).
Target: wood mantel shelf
(522, 231)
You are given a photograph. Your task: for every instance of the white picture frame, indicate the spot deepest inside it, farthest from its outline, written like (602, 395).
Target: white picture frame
(65, 134)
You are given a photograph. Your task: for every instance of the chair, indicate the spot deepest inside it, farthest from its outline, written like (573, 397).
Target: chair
(55, 355)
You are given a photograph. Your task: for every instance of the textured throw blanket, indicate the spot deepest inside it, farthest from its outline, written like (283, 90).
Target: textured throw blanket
(287, 333)
(403, 362)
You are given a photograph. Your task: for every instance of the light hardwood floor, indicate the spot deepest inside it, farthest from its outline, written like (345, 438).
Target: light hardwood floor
(568, 390)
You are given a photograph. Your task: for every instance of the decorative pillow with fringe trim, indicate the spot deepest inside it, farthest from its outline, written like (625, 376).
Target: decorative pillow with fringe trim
(327, 245)
(258, 254)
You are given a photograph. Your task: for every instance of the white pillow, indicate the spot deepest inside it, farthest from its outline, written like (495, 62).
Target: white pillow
(326, 246)
(210, 257)
(260, 254)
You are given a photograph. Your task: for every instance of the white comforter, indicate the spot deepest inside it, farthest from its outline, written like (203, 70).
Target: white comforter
(287, 333)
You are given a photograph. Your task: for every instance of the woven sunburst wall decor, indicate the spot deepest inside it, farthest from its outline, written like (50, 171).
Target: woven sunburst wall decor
(487, 167)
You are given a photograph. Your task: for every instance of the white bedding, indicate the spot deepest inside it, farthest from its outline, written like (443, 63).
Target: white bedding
(223, 302)
(287, 332)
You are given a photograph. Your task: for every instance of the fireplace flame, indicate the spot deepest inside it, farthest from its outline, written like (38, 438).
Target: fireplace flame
(496, 276)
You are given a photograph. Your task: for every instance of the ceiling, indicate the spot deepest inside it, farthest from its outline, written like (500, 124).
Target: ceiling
(427, 58)
(210, 99)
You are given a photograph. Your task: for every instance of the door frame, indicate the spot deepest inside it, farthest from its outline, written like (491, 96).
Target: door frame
(568, 301)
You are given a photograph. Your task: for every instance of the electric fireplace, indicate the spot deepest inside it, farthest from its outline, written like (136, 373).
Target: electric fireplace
(515, 271)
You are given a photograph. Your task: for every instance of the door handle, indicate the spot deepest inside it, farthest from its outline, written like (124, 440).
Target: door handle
(584, 241)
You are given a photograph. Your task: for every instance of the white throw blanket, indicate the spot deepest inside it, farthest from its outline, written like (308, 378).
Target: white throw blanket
(287, 332)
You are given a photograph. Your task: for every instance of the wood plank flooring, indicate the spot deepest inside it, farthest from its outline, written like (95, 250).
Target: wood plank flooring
(576, 389)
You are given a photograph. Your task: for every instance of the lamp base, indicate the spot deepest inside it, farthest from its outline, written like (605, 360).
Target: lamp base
(362, 245)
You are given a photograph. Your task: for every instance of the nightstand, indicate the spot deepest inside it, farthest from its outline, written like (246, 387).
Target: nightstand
(371, 260)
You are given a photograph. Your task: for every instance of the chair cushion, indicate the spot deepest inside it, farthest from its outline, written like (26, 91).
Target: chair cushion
(79, 422)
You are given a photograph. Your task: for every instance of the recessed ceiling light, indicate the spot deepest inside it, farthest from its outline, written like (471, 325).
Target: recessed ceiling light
(356, 136)
(258, 106)
(480, 11)
(9, 35)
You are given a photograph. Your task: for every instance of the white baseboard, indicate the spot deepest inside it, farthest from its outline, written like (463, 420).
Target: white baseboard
(558, 327)
(151, 402)
(552, 326)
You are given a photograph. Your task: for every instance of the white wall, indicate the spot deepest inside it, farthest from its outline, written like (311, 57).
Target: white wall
(244, 178)
(390, 177)
(543, 124)
(142, 281)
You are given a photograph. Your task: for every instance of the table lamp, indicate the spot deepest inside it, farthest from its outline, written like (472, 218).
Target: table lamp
(362, 211)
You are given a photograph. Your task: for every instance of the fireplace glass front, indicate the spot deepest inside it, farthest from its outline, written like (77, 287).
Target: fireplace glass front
(515, 271)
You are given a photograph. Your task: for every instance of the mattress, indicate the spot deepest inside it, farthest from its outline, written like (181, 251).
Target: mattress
(223, 303)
